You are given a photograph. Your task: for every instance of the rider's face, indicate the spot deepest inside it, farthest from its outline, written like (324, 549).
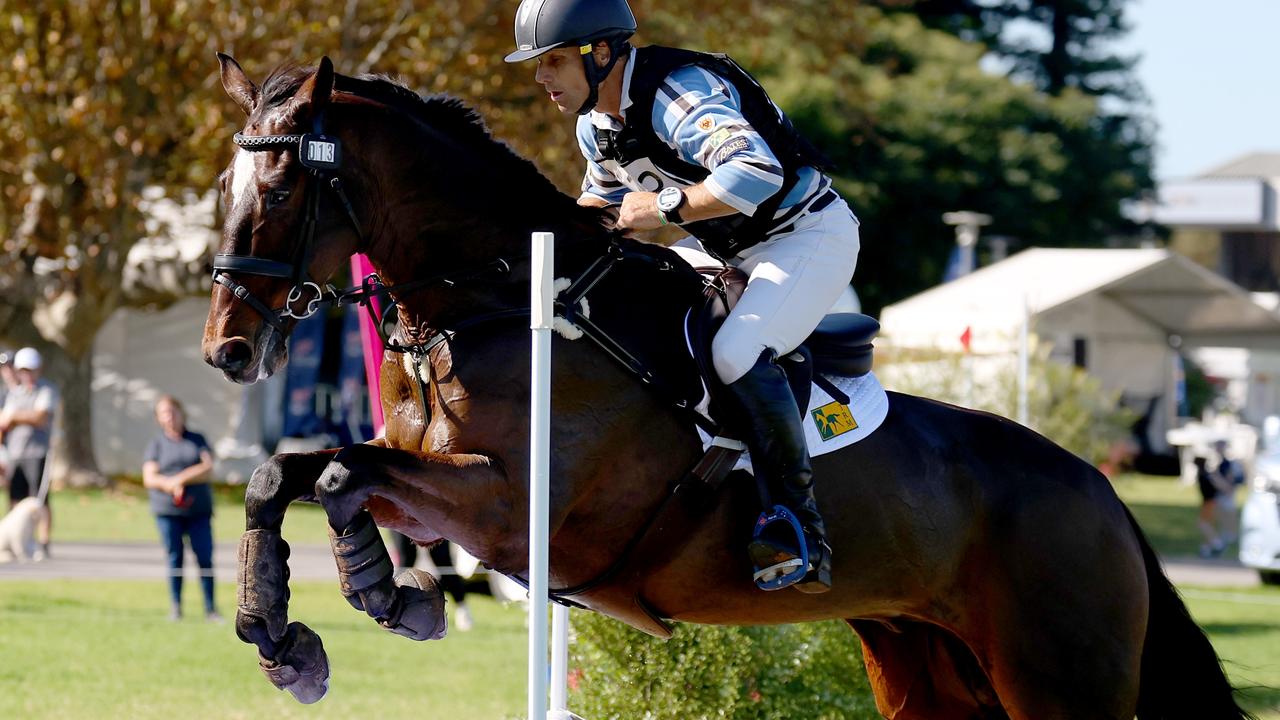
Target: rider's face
(561, 74)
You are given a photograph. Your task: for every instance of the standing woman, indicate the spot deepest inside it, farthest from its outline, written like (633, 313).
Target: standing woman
(175, 471)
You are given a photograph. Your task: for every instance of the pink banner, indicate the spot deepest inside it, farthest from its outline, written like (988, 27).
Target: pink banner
(372, 343)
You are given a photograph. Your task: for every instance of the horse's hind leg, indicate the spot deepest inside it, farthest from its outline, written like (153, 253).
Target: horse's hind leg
(923, 672)
(290, 654)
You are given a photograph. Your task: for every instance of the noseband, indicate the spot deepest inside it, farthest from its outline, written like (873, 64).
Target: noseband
(322, 156)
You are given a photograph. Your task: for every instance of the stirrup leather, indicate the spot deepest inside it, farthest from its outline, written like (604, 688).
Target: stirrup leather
(779, 550)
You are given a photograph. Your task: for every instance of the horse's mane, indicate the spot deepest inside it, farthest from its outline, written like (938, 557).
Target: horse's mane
(443, 114)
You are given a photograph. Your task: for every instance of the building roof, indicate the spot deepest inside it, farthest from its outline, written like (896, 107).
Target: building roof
(1153, 292)
(1252, 165)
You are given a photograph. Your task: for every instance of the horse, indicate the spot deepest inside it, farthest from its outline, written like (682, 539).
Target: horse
(988, 572)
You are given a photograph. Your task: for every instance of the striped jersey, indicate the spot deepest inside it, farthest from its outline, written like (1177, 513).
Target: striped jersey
(699, 115)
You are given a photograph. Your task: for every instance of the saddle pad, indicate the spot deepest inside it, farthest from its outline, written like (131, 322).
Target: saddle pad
(830, 425)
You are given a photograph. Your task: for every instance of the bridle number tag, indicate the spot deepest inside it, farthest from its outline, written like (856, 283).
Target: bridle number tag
(319, 152)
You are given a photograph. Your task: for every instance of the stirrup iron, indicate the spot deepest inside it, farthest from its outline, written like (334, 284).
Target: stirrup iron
(777, 564)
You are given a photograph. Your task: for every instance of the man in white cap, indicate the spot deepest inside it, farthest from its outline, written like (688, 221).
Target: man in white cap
(26, 422)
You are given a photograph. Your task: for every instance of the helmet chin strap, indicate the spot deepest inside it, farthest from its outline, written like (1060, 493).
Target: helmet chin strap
(597, 74)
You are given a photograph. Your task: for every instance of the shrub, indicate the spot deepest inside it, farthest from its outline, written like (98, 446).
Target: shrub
(812, 670)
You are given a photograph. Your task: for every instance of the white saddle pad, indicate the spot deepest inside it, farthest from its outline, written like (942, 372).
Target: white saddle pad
(830, 425)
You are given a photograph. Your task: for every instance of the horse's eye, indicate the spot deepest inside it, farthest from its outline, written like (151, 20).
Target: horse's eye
(277, 197)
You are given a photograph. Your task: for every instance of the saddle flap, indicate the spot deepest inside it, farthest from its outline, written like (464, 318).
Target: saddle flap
(722, 288)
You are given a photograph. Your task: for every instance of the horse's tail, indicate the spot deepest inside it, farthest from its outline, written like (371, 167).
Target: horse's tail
(1181, 675)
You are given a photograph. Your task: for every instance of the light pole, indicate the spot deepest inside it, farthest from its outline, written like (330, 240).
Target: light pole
(966, 224)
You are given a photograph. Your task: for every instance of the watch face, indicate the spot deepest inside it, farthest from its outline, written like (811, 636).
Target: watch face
(669, 199)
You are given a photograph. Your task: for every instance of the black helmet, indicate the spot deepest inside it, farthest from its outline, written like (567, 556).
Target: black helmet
(543, 25)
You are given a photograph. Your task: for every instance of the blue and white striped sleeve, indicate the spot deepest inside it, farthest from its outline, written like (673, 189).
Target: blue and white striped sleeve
(597, 182)
(700, 116)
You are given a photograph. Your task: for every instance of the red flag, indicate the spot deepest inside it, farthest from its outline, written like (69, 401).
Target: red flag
(965, 337)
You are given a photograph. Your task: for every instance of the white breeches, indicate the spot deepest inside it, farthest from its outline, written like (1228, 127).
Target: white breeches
(794, 279)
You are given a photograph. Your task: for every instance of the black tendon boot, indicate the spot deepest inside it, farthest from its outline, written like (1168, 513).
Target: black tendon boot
(778, 451)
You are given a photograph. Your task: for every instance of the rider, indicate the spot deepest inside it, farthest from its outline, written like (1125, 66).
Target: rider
(673, 136)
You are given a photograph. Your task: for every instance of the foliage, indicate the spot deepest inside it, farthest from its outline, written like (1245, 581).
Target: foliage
(703, 671)
(1064, 403)
(1094, 156)
(105, 101)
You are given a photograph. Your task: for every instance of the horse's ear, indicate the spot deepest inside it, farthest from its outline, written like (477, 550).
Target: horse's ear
(237, 84)
(313, 96)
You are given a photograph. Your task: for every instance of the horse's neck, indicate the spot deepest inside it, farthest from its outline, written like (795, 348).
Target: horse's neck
(443, 215)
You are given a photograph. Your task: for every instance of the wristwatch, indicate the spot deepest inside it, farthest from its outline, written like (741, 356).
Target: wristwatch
(670, 200)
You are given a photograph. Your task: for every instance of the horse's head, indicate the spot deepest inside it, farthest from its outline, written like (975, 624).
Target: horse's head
(288, 227)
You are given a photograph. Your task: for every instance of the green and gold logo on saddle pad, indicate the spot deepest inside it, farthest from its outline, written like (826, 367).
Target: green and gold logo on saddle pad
(833, 420)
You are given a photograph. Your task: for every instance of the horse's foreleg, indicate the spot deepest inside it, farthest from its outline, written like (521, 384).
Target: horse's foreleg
(411, 603)
(290, 654)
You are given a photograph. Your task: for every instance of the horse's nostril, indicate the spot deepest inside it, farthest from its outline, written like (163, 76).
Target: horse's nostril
(232, 356)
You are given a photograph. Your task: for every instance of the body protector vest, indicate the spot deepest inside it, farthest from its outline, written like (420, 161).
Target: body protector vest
(725, 236)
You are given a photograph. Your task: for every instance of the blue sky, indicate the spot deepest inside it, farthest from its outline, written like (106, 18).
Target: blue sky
(1212, 71)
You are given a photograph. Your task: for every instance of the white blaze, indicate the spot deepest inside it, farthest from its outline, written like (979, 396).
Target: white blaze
(241, 176)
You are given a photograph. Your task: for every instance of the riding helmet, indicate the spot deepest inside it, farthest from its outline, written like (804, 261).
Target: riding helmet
(543, 25)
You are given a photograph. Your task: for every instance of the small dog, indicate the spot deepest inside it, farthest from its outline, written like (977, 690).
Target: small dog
(18, 531)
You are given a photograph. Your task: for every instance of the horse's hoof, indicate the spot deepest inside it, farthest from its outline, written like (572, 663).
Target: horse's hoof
(301, 666)
(418, 612)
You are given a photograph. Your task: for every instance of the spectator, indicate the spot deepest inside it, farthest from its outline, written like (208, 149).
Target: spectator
(175, 471)
(26, 422)
(1228, 476)
(7, 380)
(1211, 488)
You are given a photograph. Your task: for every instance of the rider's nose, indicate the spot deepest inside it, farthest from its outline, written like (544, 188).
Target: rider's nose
(232, 356)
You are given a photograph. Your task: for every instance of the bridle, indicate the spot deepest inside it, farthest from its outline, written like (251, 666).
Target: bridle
(322, 156)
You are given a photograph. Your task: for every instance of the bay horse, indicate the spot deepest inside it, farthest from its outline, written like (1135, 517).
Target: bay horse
(988, 572)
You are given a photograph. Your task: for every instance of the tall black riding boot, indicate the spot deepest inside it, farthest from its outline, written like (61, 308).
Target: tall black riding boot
(778, 450)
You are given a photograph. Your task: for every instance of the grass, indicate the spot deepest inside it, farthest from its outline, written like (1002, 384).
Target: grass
(1244, 627)
(121, 514)
(72, 649)
(1166, 509)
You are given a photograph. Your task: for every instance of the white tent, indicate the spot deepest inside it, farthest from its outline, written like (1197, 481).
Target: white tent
(140, 355)
(1118, 313)
(1136, 295)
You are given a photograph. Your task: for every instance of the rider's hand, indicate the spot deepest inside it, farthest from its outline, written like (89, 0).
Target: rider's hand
(639, 211)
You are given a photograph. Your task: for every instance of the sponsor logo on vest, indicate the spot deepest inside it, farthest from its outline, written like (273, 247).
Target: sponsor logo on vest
(833, 420)
(718, 138)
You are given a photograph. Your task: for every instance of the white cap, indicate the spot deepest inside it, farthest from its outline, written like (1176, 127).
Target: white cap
(26, 359)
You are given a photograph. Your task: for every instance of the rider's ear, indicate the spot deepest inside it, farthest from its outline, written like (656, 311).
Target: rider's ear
(601, 53)
(313, 96)
(237, 84)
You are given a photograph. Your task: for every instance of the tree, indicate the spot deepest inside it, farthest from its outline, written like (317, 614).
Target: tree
(104, 101)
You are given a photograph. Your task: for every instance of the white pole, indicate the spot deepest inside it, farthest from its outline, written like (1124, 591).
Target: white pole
(559, 658)
(540, 311)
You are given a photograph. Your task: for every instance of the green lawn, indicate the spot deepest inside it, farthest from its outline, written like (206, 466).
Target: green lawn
(77, 649)
(85, 650)
(1244, 626)
(1166, 509)
(121, 514)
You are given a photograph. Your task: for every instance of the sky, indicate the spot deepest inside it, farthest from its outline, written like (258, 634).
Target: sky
(1212, 71)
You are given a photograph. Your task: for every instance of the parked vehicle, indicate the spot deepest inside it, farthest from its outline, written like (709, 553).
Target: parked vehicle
(1260, 519)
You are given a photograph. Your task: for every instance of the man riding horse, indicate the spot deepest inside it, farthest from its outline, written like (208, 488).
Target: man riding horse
(673, 136)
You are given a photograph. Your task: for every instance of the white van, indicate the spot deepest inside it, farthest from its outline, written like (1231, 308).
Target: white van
(1260, 519)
